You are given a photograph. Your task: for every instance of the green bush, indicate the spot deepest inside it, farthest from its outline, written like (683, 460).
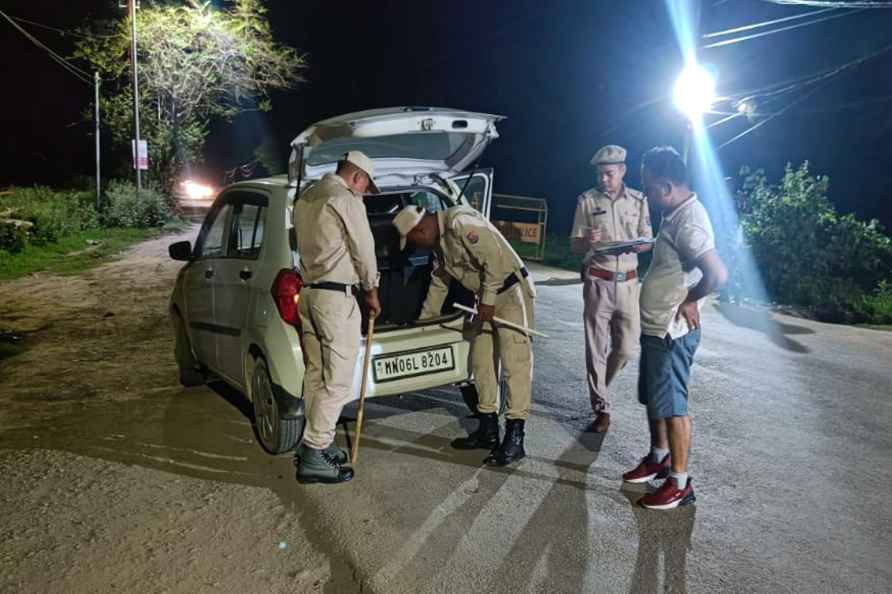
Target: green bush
(12, 237)
(122, 208)
(810, 255)
(54, 213)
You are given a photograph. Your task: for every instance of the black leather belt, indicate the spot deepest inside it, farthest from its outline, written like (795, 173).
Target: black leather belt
(327, 286)
(513, 280)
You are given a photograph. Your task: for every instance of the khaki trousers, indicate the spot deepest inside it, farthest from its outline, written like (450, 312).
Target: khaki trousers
(330, 321)
(495, 345)
(612, 331)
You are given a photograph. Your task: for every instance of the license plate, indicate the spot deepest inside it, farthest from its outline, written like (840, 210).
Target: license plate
(386, 368)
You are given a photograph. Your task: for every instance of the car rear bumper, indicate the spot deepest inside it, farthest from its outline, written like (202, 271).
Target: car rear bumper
(419, 338)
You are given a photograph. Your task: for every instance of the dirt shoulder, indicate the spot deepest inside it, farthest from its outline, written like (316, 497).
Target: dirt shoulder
(115, 478)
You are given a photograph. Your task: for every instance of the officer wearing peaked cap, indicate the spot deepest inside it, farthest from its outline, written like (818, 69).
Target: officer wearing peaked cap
(337, 255)
(471, 250)
(611, 211)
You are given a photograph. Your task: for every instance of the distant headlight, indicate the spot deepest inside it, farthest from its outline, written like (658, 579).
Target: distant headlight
(197, 191)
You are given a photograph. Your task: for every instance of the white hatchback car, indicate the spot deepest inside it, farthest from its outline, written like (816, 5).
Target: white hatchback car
(234, 305)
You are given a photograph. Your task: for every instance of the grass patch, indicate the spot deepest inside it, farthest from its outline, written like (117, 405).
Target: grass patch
(71, 254)
(61, 231)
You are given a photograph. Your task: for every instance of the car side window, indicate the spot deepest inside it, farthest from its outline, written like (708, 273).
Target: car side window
(474, 190)
(246, 237)
(210, 243)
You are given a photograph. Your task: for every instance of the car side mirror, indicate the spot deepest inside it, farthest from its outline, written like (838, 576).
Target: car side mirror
(181, 250)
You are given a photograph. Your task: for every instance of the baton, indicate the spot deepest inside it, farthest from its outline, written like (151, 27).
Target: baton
(505, 323)
(367, 357)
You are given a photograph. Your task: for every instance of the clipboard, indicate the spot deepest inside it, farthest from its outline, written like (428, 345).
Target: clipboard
(615, 247)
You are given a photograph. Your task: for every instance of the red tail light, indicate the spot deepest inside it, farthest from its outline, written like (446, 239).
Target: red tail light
(286, 293)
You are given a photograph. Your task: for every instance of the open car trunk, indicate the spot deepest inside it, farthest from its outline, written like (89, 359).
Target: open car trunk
(405, 276)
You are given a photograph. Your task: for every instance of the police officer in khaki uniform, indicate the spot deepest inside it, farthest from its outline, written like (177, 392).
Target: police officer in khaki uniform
(469, 249)
(337, 253)
(610, 212)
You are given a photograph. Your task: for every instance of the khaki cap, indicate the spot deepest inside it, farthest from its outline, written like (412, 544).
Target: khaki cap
(609, 155)
(360, 159)
(406, 220)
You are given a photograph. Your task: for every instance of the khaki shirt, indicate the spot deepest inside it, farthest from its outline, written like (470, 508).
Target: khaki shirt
(473, 252)
(334, 239)
(623, 219)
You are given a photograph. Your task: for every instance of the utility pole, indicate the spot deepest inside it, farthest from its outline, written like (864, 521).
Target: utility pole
(131, 5)
(96, 119)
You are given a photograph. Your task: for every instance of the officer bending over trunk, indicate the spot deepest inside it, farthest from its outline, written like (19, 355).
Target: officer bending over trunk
(469, 249)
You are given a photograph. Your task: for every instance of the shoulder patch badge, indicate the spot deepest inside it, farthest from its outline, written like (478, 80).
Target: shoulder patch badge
(472, 237)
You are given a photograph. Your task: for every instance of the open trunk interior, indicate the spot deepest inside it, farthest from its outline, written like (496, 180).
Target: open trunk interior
(405, 277)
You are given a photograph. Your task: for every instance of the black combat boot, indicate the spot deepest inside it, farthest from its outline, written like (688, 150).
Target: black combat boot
(486, 437)
(511, 449)
(321, 466)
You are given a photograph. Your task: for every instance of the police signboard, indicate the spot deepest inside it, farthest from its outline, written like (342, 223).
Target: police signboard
(525, 232)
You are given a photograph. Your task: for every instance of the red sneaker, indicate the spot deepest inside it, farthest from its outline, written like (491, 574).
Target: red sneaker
(648, 470)
(669, 496)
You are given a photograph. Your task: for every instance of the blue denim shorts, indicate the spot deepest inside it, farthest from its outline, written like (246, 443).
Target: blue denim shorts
(664, 372)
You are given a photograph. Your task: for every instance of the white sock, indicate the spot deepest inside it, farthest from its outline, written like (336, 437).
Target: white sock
(657, 455)
(681, 479)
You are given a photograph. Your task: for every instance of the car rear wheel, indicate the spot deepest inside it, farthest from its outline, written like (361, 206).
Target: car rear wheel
(189, 368)
(276, 434)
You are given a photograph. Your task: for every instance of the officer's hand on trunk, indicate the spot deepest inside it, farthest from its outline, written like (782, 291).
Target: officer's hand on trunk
(485, 313)
(372, 303)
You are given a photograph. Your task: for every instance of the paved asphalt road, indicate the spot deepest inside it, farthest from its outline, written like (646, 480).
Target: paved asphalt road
(790, 464)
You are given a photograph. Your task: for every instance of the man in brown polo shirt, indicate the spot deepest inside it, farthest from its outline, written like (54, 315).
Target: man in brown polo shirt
(610, 212)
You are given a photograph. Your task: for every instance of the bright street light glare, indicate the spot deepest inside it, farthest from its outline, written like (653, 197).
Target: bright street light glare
(197, 191)
(694, 91)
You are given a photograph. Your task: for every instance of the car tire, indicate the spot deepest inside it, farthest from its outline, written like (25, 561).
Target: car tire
(275, 434)
(472, 399)
(188, 366)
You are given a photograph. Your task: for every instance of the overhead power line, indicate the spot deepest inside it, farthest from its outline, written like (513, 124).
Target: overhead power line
(856, 104)
(834, 4)
(820, 81)
(795, 17)
(802, 82)
(780, 29)
(62, 32)
(71, 68)
(768, 119)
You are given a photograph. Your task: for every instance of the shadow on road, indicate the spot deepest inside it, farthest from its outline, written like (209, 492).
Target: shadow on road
(562, 517)
(665, 534)
(762, 321)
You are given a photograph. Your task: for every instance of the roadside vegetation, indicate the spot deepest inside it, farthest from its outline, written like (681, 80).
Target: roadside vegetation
(62, 231)
(835, 267)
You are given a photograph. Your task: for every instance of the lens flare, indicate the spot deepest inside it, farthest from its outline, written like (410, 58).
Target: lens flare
(694, 94)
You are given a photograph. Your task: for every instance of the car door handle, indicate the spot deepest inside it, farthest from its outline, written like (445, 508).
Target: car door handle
(208, 273)
(245, 274)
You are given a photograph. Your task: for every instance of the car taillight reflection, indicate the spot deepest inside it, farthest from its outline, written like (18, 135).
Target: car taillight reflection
(286, 292)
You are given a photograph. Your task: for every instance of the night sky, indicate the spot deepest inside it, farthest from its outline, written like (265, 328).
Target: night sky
(569, 76)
